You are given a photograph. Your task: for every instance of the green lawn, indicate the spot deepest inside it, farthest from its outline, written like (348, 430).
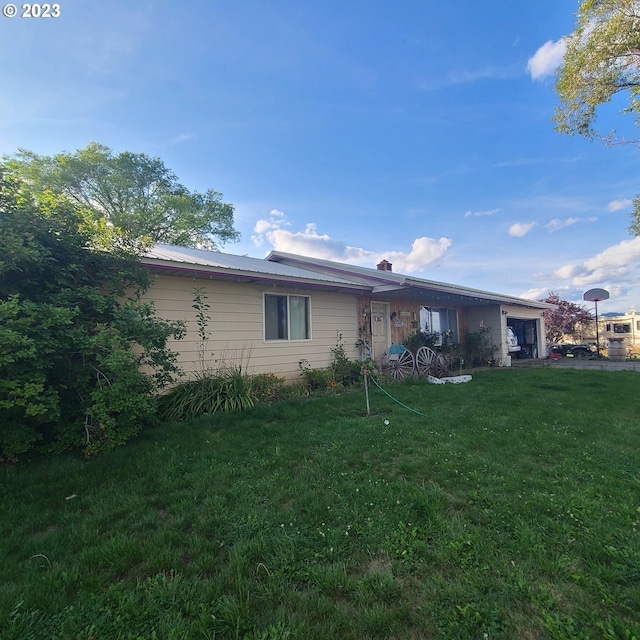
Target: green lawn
(511, 509)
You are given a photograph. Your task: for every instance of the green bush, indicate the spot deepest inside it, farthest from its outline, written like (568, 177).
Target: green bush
(74, 336)
(342, 372)
(422, 339)
(476, 348)
(209, 392)
(345, 371)
(267, 387)
(316, 379)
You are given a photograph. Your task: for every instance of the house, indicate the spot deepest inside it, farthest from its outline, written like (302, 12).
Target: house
(625, 326)
(270, 314)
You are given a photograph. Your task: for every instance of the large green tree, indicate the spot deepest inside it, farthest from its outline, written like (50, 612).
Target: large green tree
(134, 192)
(74, 334)
(602, 59)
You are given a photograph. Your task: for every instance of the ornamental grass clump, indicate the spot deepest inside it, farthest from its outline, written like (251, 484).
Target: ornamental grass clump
(226, 389)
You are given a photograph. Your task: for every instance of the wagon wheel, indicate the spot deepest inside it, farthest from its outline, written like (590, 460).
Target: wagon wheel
(397, 365)
(440, 366)
(425, 359)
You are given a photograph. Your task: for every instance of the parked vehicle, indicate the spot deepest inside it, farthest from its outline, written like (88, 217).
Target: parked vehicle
(573, 350)
(512, 341)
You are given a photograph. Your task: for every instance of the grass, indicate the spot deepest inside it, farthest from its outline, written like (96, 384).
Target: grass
(512, 510)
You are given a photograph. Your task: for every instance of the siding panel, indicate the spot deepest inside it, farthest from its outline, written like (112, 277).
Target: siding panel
(235, 327)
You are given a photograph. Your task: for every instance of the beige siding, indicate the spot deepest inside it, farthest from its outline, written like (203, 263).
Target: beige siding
(236, 325)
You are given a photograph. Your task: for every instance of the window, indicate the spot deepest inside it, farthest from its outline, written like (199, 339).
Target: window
(621, 327)
(440, 321)
(287, 317)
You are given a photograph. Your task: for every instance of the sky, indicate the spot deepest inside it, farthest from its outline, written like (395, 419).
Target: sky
(416, 131)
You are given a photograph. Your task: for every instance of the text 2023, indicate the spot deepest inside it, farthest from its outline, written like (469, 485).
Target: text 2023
(40, 11)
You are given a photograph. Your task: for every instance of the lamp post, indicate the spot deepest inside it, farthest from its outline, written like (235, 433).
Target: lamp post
(596, 295)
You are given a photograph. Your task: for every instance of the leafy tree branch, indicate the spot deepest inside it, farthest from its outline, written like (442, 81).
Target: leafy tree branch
(135, 194)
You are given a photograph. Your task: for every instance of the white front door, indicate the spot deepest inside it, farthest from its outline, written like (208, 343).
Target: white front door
(379, 328)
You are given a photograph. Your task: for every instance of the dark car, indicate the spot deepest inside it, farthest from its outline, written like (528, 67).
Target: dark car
(573, 350)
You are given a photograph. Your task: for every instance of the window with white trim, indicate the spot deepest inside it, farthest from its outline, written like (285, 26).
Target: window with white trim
(440, 321)
(287, 317)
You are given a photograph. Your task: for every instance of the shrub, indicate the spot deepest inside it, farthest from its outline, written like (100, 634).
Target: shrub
(342, 372)
(476, 348)
(422, 339)
(316, 379)
(74, 335)
(267, 387)
(345, 371)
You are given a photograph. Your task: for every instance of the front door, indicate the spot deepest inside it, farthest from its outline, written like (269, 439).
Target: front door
(379, 328)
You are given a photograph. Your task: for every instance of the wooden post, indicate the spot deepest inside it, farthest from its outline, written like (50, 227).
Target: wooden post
(365, 373)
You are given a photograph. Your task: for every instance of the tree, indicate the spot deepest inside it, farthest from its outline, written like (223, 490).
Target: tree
(602, 59)
(74, 335)
(565, 319)
(134, 192)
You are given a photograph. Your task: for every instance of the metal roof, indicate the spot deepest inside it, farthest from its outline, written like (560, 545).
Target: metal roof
(186, 259)
(292, 269)
(400, 285)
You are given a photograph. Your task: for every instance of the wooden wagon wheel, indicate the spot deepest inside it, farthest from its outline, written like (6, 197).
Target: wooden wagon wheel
(428, 362)
(425, 359)
(397, 363)
(440, 366)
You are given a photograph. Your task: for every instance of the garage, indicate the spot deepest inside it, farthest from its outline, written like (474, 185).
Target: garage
(527, 332)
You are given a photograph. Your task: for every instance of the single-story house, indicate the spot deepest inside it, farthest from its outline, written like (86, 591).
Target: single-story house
(269, 314)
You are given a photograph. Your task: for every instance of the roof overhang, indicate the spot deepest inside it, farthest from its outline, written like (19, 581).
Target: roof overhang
(442, 295)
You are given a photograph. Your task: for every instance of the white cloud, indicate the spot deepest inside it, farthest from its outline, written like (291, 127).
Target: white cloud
(606, 268)
(262, 227)
(622, 254)
(567, 271)
(535, 293)
(424, 251)
(479, 214)
(561, 223)
(547, 59)
(618, 205)
(520, 229)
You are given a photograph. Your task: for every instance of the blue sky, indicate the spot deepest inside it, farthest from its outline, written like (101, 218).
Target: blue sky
(419, 132)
